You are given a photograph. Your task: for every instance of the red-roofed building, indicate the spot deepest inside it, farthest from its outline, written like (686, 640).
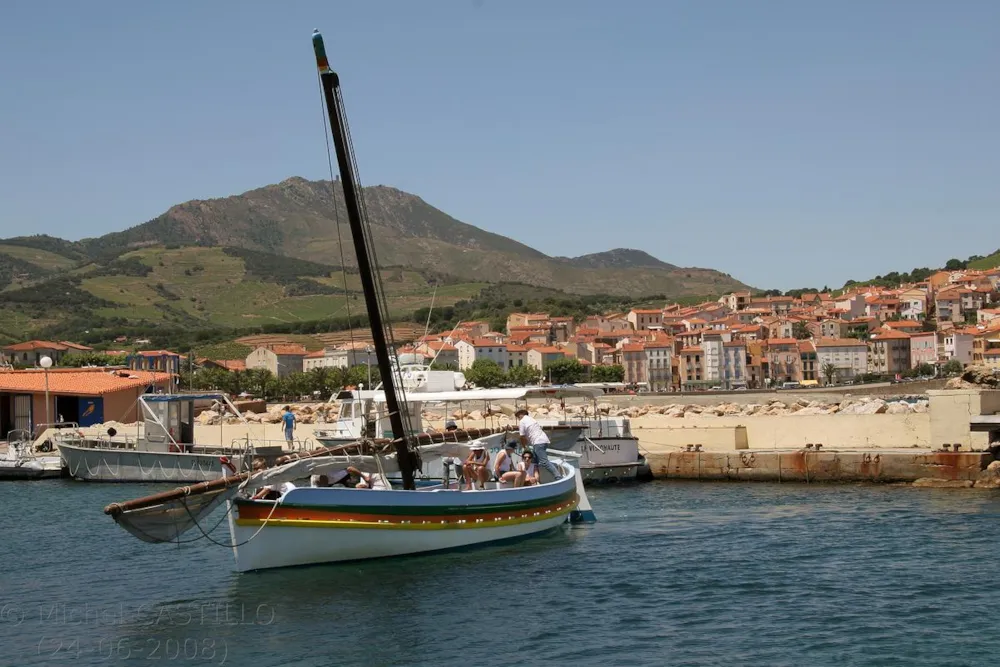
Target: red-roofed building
(643, 320)
(634, 362)
(783, 360)
(846, 357)
(86, 396)
(231, 365)
(30, 352)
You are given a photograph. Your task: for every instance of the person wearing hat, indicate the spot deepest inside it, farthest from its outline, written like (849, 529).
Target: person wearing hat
(504, 463)
(477, 466)
(450, 426)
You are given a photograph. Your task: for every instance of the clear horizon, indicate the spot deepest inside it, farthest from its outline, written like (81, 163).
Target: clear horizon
(787, 145)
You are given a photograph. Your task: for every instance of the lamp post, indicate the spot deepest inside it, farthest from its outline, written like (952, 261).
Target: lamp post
(46, 364)
(368, 361)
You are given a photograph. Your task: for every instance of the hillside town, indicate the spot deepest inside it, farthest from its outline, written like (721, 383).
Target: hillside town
(740, 341)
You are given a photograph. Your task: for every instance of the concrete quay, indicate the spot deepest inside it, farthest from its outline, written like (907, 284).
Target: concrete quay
(878, 465)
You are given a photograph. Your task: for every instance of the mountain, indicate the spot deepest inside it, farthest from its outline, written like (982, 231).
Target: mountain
(619, 258)
(273, 255)
(298, 218)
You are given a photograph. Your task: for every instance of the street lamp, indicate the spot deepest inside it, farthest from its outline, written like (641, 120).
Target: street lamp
(368, 360)
(46, 364)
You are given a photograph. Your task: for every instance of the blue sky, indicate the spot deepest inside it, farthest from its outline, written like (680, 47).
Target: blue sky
(787, 143)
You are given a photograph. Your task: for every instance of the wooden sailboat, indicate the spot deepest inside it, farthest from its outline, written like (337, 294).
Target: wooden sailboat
(322, 525)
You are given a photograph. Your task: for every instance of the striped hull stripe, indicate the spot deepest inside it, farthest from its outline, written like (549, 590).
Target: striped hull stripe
(299, 518)
(252, 508)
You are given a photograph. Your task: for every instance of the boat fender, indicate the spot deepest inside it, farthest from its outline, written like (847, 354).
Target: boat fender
(224, 460)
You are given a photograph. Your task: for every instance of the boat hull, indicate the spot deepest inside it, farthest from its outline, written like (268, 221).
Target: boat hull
(42, 467)
(125, 465)
(330, 525)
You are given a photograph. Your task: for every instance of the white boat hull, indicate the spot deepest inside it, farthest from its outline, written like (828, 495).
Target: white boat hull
(329, 525)
(40, 467)
(129, 465)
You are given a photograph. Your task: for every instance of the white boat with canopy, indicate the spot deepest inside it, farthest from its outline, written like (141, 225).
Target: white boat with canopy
(161, 449)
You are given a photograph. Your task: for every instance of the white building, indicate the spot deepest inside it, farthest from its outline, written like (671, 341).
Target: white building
(849, 357)
(957, 344)
(469, 353)
(712, 349)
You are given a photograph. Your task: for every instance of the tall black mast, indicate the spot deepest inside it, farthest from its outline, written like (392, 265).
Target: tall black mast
(334, 106)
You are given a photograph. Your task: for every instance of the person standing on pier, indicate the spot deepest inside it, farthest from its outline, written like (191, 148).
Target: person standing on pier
(532, 434)
(288, 420)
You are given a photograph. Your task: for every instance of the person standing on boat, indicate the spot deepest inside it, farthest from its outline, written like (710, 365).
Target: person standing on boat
(532, 434)
(288, 419)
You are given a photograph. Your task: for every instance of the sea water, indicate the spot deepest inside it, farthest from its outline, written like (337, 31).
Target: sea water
(672, 574)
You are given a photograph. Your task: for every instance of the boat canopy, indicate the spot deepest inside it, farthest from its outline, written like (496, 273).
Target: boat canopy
(512, 394)
(177, 398)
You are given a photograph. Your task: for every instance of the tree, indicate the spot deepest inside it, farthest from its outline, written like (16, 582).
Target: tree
(801, 331)
(924, 369)
(295, 385)
(953, 367)
(603, 373)
(829, 372)
(360, 374)
(954, 265)
(485, 373)
(79, 359)
(566, 371)
(522, 376)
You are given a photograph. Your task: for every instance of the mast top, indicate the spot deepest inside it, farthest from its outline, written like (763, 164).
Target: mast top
(321, 62)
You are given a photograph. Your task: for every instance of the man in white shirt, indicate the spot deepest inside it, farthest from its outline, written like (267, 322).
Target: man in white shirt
(532, 434)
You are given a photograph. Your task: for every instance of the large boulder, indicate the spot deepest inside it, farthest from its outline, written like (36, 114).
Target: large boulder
(208, 417)
(899, 408)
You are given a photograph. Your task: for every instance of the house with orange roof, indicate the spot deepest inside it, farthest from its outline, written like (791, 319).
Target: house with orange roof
(644, 319)
(888, 352)
(906, 326)
(913, 303)
(30, 353)
(986, 315)
(517, 356)
(736, 300)
(317, 359)
(535, 320)
(832, 328)
(948, 304)
(87, 396)
(475, 329)
(280, 359)
(444, 354)
(231, 365)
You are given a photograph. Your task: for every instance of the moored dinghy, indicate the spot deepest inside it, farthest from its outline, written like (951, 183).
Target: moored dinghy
(322, 525)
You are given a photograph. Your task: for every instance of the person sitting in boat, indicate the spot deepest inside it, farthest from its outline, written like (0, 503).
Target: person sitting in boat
(368, 480)
(274, 491)
(477, 466)
(527, 474)
(505, 467)
(450, 426)
(336, 478)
